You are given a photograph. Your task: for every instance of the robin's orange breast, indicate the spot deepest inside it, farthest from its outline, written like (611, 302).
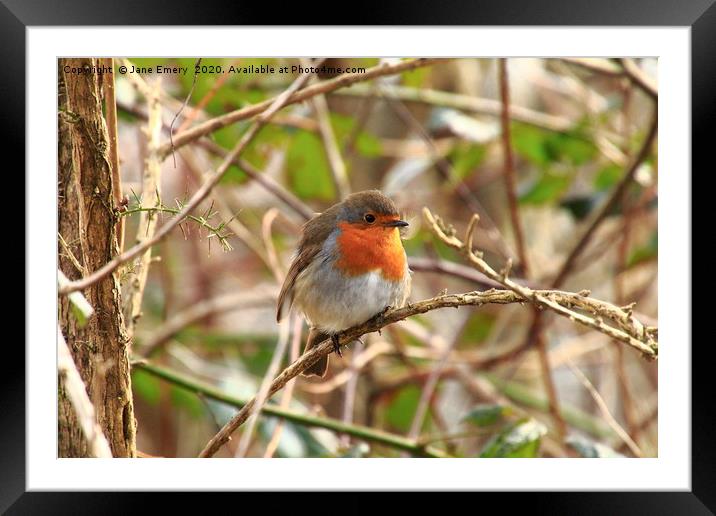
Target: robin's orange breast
(363, 250)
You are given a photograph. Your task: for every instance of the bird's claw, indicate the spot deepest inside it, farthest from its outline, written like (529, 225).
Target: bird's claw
(336, 345)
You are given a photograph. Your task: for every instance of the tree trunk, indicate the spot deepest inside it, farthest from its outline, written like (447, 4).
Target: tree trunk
(86, 223)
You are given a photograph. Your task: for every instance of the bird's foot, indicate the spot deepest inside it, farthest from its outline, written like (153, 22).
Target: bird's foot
(380, 316)
(335, 338)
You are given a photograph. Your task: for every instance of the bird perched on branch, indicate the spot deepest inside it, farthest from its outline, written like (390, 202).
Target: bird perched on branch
(350, 265)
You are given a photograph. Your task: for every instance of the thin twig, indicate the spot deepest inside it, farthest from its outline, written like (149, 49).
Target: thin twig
(198, 311)
(198, 196)
(639, 78)
(341, 81)
(151, 185)
(511, 188)
(330, 144)
(446, 170)
(509, 167)
(70, 255)
(287, 394)
(431, 384)
(607, 206)
(271, 186)
(110, 103)
(628, 330)
(271, 254)
(466, 103)
(225, 211)
(613, 424)
(261, 397)
(184, 104)
(351, 389)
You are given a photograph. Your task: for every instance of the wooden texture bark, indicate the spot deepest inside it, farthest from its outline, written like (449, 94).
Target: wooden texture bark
(86, 223)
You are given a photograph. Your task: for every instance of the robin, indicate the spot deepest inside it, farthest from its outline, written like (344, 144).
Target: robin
(350, 266)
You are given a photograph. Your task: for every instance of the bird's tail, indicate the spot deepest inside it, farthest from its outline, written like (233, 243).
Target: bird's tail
(319, 368)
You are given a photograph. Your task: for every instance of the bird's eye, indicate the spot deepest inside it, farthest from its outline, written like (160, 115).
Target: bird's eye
(369, 218)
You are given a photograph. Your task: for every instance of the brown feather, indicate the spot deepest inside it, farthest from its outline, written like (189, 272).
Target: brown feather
(315, 232)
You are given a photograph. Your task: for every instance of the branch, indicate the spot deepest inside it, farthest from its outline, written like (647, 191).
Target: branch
(198, 311)
(628, 330)
(77, 393)
(511, 188)
(333, 153)
(639, 78)
(110, 102)
(198, 196)
(361, 432)
(311, 91)
(466, 103)
(147, 219)
(613, 424)
(398, 314)
(606, 208)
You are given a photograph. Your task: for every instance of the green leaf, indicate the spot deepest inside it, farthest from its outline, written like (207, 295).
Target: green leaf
(465, 158)
(188, 401)
(543, 147)
(570, 147)
(486, 415)
(646, 252)
(591, 449)
(529, 143)
(146, 386)
(402, 408)
(548, 189)
(308, 170)
(607, 177)
(520, 440)
(415, 78)
(368, 145)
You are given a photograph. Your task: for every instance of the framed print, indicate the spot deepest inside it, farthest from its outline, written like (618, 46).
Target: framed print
(403, 249)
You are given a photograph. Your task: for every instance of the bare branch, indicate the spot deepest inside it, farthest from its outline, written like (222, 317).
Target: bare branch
(77, 393)
(638, 77)
(151, 185)
(393, 315)
(198, 311)
(311, 91)
(628, 330)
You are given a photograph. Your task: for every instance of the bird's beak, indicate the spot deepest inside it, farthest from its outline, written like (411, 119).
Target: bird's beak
(395, 224)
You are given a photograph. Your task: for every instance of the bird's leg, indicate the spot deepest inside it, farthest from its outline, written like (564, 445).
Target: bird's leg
(379, 317)
(335, 338)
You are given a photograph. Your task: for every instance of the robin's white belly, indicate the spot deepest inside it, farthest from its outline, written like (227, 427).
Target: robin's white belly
(333, 302)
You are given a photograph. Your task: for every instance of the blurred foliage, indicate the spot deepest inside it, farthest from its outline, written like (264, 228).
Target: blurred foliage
(487, 415)
(519, 440)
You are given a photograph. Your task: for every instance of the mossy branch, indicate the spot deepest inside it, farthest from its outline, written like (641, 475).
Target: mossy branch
(361, 432)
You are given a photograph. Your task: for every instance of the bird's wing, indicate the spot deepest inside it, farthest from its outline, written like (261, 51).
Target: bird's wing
(302, 260)
(314, 234)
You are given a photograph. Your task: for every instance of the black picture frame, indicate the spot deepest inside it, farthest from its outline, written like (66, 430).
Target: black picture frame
(699, 15)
